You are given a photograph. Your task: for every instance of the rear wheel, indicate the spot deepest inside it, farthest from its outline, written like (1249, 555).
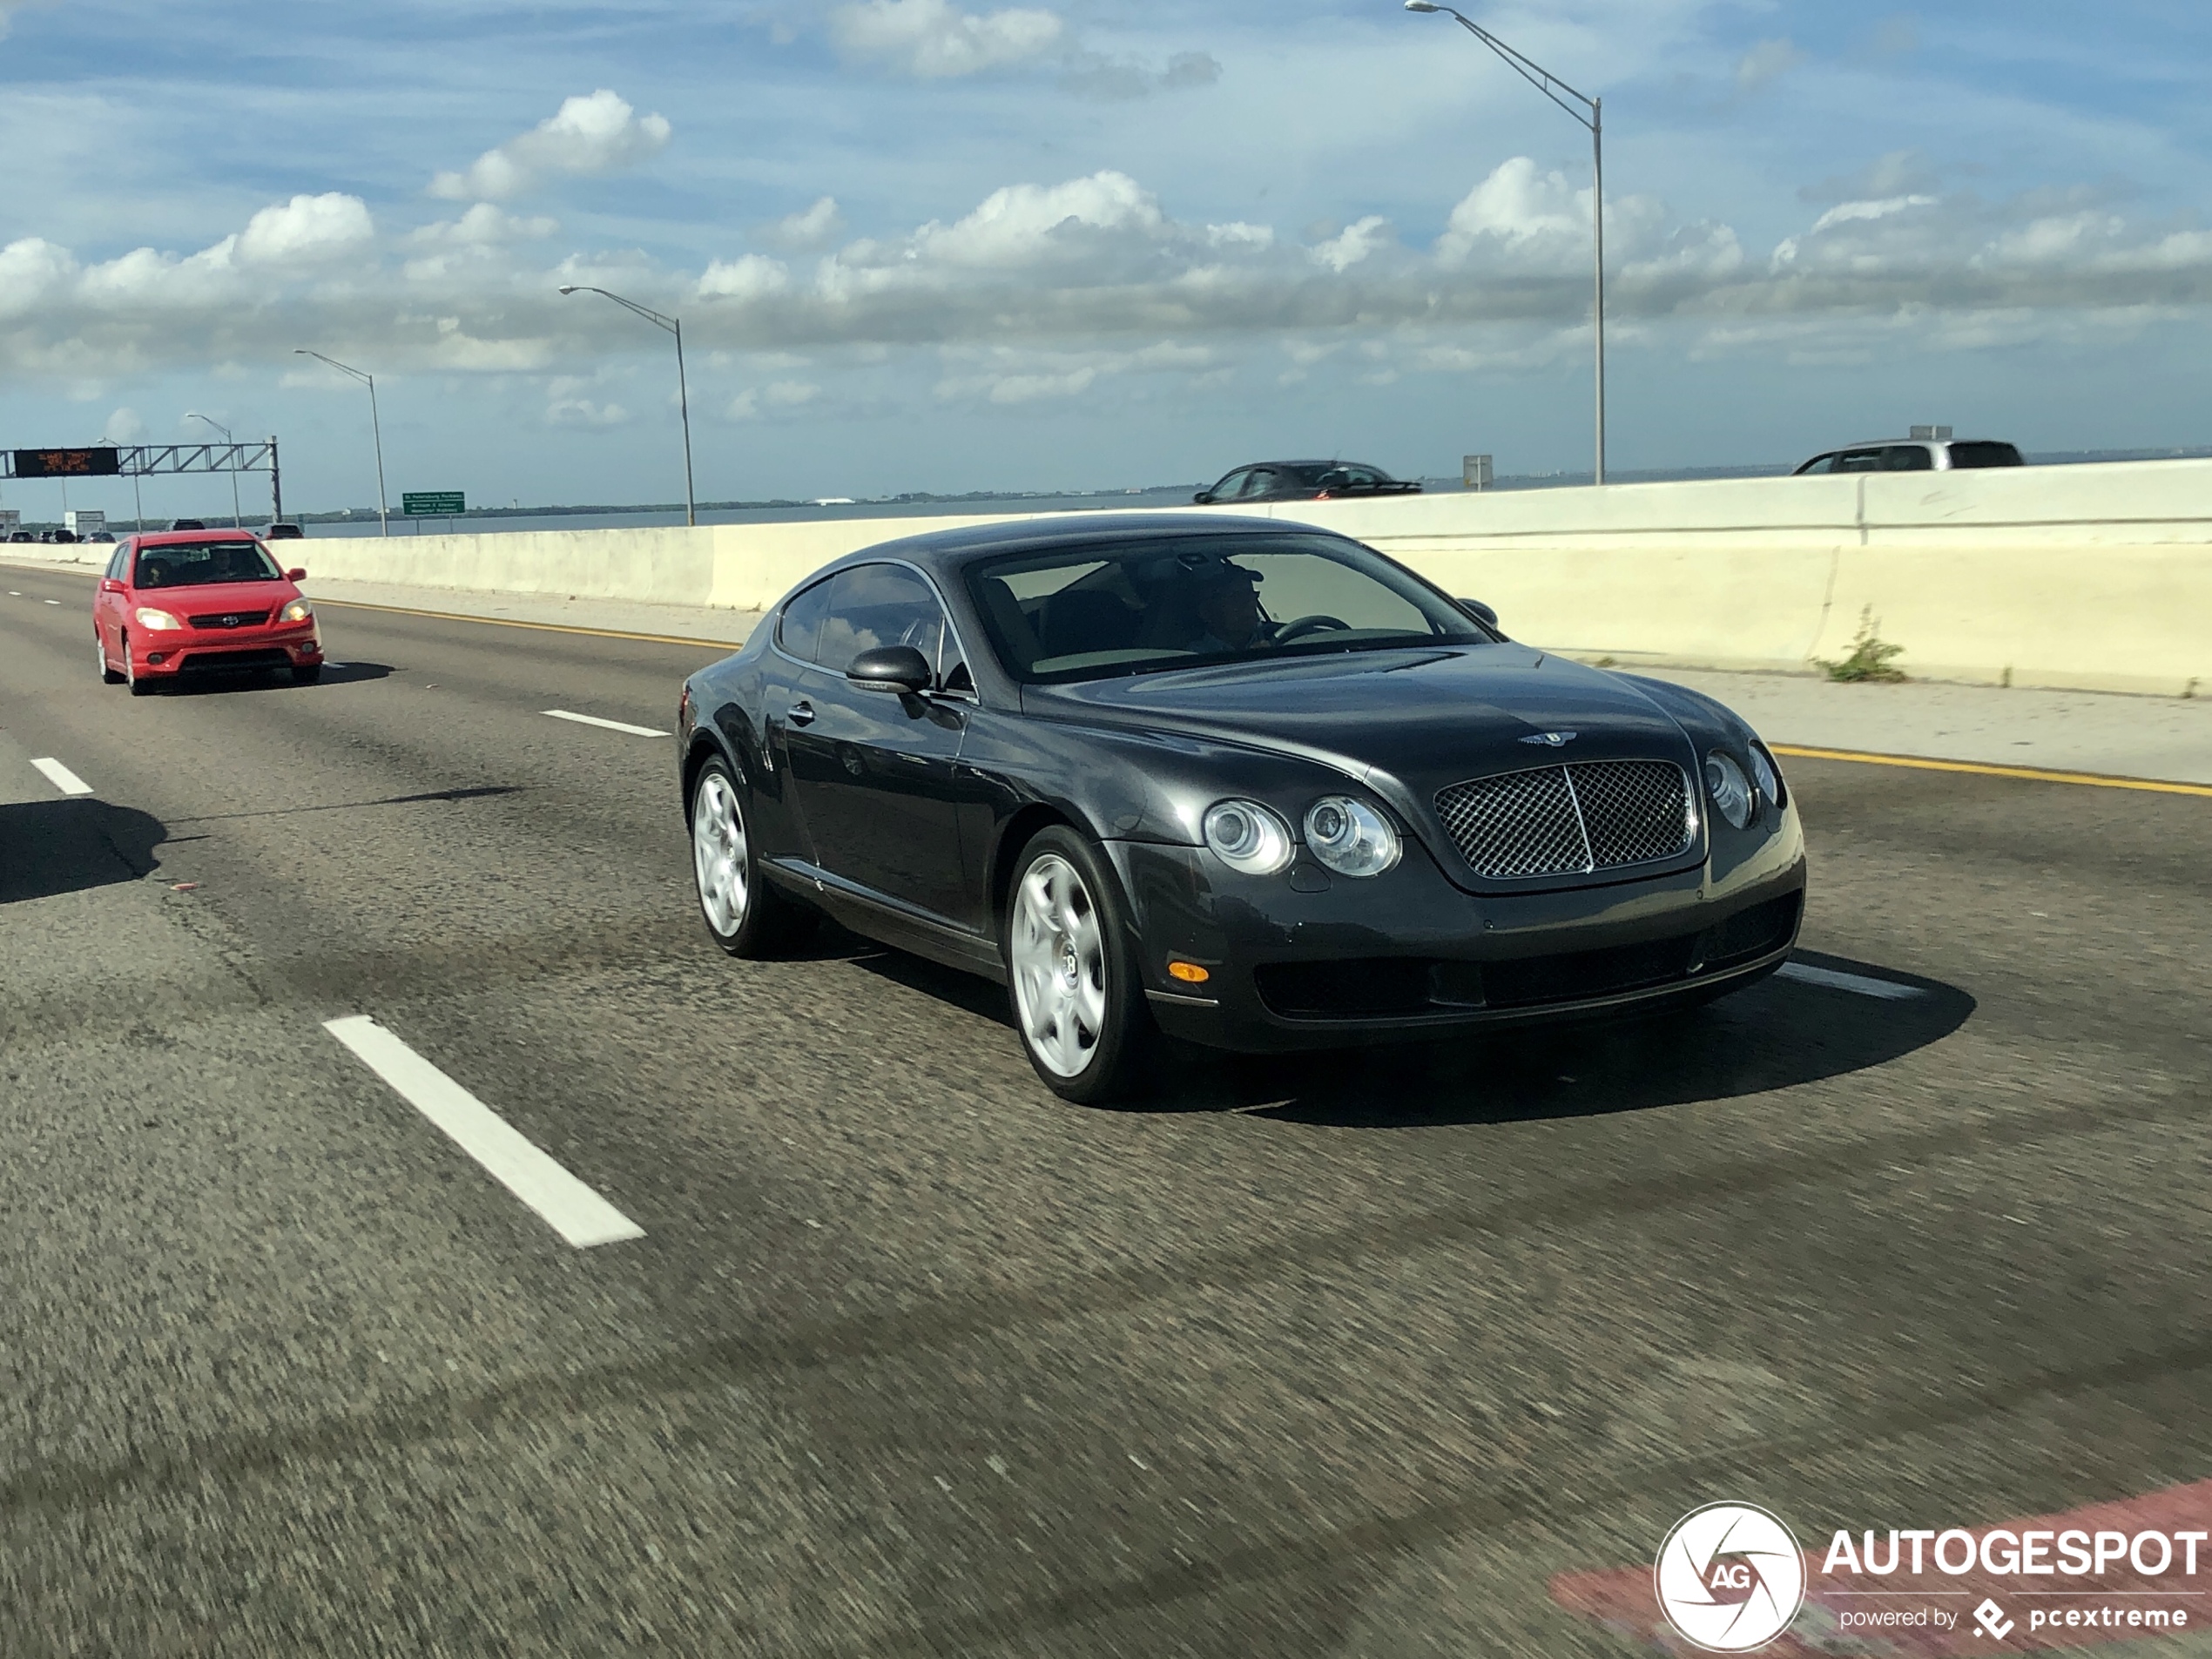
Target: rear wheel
(1078, 1002)
(744, 913)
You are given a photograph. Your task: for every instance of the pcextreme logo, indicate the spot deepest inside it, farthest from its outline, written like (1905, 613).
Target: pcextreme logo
(1730, 1577)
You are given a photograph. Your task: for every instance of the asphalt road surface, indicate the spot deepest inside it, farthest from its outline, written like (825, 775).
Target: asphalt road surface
(1339, 1357)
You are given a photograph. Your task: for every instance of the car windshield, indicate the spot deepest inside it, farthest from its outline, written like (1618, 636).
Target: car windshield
(197, 564)
(1091, 611)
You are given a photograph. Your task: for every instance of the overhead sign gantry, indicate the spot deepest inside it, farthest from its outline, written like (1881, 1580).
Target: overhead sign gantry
(148, 461)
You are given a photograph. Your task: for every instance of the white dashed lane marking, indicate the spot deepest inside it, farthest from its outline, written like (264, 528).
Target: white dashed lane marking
(570, 1207)
(53, 602)
(1858, 984)
(610, 726)
(61, 777)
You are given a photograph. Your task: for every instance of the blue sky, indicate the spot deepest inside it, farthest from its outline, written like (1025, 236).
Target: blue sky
(929, 245)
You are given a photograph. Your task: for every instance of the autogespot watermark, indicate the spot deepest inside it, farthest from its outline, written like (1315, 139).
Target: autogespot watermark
(1731, 1578)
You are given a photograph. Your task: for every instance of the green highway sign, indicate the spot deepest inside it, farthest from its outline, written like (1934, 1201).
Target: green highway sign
(434, 504)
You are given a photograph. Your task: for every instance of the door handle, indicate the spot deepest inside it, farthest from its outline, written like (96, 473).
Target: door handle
(802, 714)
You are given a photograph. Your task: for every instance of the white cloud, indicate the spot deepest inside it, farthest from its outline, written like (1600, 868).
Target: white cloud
(123, 427)
(483, 226)
(1083, 278)
(813, 228)
(933, 39)
(1023, 224)
(1517, 212)
(1354, 243)
(588, 135)
(306, 228)
(566, 405)
(777, 397)
(753, 276)
(1770, 60)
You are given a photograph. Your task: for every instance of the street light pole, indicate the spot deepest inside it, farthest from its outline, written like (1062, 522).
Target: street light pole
(1590, 112)
(238, 513)
(376, 425)
(674, 326)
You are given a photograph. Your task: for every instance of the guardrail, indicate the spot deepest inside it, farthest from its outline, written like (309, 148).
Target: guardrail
(2091, 577)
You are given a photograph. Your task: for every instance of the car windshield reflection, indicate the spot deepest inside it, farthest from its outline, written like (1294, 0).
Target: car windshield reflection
(1131, 608)
(199, 564)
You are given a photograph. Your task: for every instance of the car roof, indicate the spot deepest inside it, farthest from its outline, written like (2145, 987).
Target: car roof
(173, 538)
(947, 551)
(1333, 461)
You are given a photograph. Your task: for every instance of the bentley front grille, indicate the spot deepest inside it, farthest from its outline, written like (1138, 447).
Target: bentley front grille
(1570, 820)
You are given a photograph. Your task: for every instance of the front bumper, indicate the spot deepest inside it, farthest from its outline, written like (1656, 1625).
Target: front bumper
(176, 652)
(1308, 961)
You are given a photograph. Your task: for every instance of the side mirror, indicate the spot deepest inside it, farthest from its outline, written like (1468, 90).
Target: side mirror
(1478, 608)
(300, 575)
(109, 585)
(1205, 498)
(892, 668)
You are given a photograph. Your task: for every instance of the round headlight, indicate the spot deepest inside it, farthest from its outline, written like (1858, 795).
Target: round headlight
(1351, 837)
(1247, 836)
(1731, 790)
(1765, 774)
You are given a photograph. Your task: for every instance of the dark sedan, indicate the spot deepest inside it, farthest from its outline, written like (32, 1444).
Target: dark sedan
(1304, 481)
(1251, 784)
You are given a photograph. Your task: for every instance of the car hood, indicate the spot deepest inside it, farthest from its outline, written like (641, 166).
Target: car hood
(218, 598)
(1421, 717)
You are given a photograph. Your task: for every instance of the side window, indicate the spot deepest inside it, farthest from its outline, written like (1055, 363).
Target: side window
(1820, 464)
(799, 629)
(873, 606)
(1233, 486)
(1258, 483)
(1859, 461)
(115, 564)
(1908, 457)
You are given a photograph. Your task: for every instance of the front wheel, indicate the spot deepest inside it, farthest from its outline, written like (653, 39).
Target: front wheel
(1078, 1001)
(744, 914)
(108, 675)
(139, 687)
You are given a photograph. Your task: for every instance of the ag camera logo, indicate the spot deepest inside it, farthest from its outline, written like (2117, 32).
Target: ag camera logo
(1729, 1578)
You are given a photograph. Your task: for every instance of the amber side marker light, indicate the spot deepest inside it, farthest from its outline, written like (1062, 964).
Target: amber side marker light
(1189, 973)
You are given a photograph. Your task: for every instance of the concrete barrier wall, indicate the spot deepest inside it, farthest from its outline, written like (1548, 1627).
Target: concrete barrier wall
(2094, 577)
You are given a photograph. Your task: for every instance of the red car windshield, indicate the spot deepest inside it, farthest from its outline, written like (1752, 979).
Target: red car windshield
(199, 564)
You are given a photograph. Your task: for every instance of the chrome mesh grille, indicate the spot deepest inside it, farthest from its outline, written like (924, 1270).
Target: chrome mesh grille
(1633, 810)
(1521, 824)
(1569, 820)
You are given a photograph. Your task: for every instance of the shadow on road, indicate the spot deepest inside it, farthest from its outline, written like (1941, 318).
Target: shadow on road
(1772, 1036)
(273, 680)
(53, 846)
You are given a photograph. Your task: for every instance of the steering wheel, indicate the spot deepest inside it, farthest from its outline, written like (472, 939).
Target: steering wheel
(1306, 625)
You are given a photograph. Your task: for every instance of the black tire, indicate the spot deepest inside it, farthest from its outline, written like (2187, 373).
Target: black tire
(1078, 994)
(108, 675)
(743, 912)
(306, 673)
(139, 687)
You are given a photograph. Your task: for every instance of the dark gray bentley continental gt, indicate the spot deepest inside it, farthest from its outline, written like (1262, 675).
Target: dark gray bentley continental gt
(1247, 783)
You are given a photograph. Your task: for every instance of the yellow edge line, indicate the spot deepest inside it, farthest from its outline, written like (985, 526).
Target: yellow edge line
(2093, 780)
(541, 627)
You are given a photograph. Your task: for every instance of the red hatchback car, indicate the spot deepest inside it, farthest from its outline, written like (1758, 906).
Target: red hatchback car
(192, 602)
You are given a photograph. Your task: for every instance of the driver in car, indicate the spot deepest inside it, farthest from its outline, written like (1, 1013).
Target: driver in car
(1228, 611)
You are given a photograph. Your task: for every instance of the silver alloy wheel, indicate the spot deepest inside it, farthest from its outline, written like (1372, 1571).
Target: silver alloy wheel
(720, 859)
(1058, 956)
